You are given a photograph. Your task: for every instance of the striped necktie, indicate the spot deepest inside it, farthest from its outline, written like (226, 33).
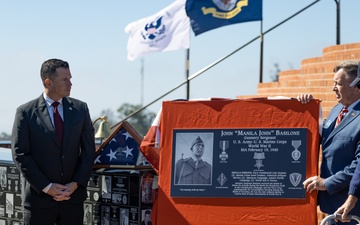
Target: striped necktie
(341, 116)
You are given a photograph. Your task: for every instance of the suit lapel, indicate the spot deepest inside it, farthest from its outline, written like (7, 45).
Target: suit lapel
(328, 126)
(43, 114)
(351, 115)
(347, 119)
(69, 116)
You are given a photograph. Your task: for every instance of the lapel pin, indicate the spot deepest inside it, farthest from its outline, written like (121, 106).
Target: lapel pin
(70, 108)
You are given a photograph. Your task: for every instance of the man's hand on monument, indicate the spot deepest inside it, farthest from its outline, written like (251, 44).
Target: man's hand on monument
(314, 183)
(304, 98)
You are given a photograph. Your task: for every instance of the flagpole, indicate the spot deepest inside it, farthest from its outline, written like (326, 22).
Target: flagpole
(261, 51)
(337, 21)
(213, 64)
(142, 82)
(187, 70)
(187, 63)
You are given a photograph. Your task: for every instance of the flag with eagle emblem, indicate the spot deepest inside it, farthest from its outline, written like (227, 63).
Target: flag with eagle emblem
(167, 30)
(206, 15)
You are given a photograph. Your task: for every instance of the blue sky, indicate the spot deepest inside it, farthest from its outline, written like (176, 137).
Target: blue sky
(90, 36)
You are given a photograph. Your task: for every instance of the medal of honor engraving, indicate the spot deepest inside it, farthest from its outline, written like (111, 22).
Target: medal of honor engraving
(223, 146)
(259, 156)
(241, 163)
(296, 154)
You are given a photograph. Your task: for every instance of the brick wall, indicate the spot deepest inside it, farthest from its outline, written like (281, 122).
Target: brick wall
(315, 76)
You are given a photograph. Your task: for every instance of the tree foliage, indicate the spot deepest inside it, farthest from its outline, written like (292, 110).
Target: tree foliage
(5, 136)
(141, 121)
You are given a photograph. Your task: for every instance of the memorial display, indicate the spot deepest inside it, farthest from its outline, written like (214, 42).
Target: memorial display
(232, 161)
(245, 163)
(10, 191)
(123, 185)
(116, 196)
(122, 196)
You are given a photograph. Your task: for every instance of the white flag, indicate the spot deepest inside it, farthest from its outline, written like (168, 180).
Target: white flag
(167, 30)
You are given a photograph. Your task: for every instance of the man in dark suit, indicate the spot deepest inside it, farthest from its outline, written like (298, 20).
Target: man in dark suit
(340, 142)
(56, 163)
(147, 218)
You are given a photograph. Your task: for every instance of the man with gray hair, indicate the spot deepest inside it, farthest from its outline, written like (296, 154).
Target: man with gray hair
(340, 142)
(354, 189)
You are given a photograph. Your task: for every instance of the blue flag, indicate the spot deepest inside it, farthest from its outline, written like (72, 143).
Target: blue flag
(206, 15)
(121, 149)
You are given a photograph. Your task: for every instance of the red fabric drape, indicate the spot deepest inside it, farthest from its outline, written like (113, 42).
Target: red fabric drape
(256, 113)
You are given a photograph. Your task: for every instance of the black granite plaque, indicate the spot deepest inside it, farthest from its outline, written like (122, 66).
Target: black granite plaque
(244, 163)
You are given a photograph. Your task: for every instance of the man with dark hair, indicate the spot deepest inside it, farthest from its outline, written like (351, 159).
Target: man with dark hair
(193, 170)
(53, 146)
(147, 218)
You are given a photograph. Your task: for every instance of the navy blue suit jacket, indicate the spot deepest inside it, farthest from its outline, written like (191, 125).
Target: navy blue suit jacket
(340, 151)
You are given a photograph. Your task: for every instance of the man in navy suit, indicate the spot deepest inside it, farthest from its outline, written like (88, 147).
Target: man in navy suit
(354, 195)
(56, 166)
(340, 142)
(354, 189)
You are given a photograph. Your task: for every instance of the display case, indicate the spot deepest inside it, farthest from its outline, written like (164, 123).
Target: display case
(123, 186)
(121, 190)
(11, 212)
(117, 196)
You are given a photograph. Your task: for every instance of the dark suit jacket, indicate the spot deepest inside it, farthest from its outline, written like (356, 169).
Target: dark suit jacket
(41, 158)
(354, 188)
(340, 151)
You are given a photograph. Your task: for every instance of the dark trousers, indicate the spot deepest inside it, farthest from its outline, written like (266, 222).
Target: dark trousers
(64, 213)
